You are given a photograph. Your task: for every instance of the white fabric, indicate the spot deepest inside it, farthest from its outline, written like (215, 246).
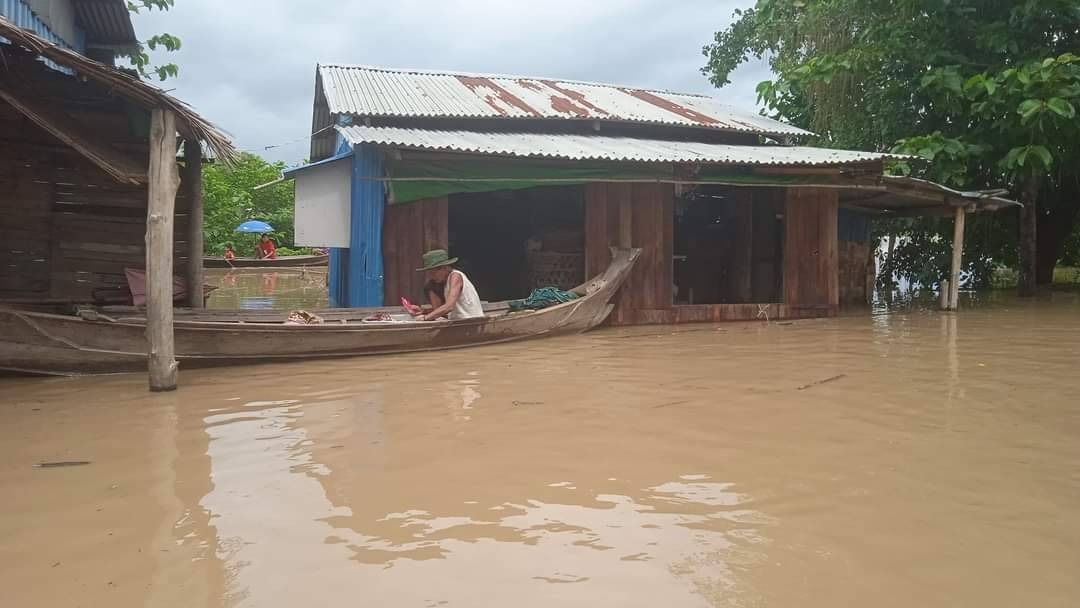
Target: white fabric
(468, 304)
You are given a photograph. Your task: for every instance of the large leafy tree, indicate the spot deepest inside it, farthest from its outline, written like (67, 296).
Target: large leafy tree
(230, 198)
(986, 89)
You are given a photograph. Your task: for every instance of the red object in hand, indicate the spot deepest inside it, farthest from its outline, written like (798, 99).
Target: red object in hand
(410, 308)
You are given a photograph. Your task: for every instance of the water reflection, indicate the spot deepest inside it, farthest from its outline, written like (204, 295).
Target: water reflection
(909, 459)
(276, 515)
(261, 288)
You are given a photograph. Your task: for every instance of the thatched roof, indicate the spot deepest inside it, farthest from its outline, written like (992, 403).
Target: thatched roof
(188, 122)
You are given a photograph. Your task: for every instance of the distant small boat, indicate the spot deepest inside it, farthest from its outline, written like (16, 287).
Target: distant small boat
(286, 261)
(115, 340)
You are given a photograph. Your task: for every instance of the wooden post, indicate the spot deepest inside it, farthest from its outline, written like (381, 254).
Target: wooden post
(957, 259)
(889, 285)
(193, 183)
(163, 182)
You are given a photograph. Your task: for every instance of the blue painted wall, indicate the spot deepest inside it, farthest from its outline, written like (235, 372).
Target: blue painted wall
(356, 273)
(19, 13)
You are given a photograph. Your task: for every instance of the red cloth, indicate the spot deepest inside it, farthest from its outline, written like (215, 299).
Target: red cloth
(268, 250)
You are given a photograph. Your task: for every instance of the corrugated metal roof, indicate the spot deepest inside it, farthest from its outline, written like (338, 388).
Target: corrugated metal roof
(370, 91)
(19, 13)
(107, 22)
(601, 147)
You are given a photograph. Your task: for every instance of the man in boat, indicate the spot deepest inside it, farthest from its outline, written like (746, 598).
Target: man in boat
(450, 293)
(265, 250)
(230, 254)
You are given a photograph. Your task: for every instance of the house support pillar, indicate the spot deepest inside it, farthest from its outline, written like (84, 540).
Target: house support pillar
(163, 182)
(193, 184)
(953, 301)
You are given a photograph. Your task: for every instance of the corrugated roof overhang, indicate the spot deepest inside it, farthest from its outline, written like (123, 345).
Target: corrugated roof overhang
(603, 148)
(463, 168)
(106, 22)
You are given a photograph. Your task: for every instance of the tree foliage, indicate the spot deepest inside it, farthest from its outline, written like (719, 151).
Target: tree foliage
(140, 58)
(230, 198)
(988, 90)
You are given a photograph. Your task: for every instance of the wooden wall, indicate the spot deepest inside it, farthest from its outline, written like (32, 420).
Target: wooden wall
(642, 215)
(857, 273)
(811, 267)
(409, 230)
(632, 215)
(68, 227)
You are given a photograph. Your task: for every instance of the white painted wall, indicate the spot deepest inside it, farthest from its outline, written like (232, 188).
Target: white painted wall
(323, 205)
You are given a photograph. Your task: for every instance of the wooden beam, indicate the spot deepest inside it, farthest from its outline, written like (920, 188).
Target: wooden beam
(193, 183)
(957, 259)
(68, 130)
(159, 250)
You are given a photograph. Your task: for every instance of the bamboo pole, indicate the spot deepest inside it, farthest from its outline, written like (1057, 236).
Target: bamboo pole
(193, 183)
(957, 259)
(161, 204)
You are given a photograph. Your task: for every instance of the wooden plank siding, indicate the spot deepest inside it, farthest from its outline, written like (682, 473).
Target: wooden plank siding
(409, 230)
(636, 215)
(70, 227)
(811, 263)
(642, 215)
(810, 269)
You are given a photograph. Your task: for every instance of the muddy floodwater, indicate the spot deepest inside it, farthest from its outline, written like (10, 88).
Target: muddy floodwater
(262, 288)
(903, 459)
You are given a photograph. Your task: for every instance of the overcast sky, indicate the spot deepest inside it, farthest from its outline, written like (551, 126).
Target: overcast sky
(249, 65)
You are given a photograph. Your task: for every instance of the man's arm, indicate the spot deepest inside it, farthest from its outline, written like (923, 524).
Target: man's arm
(454, 286)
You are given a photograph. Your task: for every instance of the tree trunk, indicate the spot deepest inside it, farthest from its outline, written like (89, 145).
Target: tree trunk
(1029, 219)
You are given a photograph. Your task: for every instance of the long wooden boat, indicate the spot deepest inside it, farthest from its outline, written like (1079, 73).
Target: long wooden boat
(287, 261)
(44, 343)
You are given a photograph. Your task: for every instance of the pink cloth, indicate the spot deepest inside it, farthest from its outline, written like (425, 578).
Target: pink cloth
(136, 280)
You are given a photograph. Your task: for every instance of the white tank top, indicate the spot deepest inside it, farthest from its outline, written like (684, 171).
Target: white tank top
(468, 303)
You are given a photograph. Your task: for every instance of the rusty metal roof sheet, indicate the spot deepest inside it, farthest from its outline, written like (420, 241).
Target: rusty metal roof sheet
(371, 91)
(601, 147)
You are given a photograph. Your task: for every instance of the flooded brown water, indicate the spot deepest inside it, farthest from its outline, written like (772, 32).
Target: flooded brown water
(260, 288)
(911, 459)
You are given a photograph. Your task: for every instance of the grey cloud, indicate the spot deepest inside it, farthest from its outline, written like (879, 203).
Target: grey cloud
(249, 65)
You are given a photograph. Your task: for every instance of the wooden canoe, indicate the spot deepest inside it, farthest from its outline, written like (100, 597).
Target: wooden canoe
(288, 261)
(43, 343)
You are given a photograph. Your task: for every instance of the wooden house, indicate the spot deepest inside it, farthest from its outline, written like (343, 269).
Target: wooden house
(89, 183)
(531, 180)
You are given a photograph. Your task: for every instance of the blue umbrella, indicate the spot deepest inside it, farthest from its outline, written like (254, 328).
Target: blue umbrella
(254, 226)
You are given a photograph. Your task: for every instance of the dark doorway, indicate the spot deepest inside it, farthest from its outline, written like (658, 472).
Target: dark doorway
(512, 241)
(729, 246)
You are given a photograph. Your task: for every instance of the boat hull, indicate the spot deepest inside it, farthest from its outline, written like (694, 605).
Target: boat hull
(57, 344)
(292, 261)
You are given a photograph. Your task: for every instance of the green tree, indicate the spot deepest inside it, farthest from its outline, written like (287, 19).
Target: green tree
(986, 89)
(139, 57)
(230, 198)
